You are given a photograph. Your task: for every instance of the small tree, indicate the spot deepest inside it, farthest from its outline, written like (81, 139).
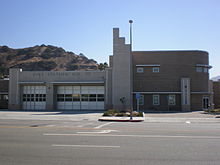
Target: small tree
(102, 66)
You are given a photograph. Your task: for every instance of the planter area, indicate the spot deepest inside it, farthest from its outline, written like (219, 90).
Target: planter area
(121, 116)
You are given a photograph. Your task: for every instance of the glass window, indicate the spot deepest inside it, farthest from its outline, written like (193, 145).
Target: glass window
(140, 70)
(92, 97)
(156, 100)
(68, 95)
(76, 97)
(206, 70)
(24, 97)
(68, 98)
(155, 69)
(84, 95)
(199, 69)
(60, 97)
(171, 100)
(100, 97)
(141, 100)
(84, 99)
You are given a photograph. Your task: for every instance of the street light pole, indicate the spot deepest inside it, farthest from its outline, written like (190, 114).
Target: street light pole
(131, 95)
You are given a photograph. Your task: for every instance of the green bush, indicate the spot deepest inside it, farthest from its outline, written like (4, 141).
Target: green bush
(137, 114)
(213, 111)
(122, 114)
(117, 113)
(111, 112)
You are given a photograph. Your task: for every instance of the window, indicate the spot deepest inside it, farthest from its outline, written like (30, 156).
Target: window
(68, 97)
(24, 97)
(5, 97)
(100, 97)
(84, 97)
(199, 69)
(206, 70)
(60, 97)
(171, 100)
(155, 69)
(76, 97)
(156, 100)
(35, 97)
(140, 70)
(141, 100)
(92, 97)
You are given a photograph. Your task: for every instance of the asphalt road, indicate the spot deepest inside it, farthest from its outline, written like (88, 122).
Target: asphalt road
(50, 142)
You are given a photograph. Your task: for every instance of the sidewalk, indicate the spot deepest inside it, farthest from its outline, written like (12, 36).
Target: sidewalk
(194, 114)
(50, 115)
(189, 117)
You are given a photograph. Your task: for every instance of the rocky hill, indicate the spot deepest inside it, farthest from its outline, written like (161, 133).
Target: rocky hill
(216, 78)
(44, 57)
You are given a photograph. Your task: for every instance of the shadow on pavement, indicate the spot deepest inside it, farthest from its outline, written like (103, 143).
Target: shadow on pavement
(68, 112)
(56, 112)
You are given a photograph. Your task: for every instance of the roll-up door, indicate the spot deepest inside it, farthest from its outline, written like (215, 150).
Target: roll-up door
(80, 97)
(34, 97)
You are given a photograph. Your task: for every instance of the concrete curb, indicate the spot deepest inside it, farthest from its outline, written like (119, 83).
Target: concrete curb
(122, 119)
(181, 120)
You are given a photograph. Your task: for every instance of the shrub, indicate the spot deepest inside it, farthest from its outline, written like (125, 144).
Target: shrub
(72, 67)
(121, 114)
(137, 114)
(111, 112)
(213, 111)
(117, 113)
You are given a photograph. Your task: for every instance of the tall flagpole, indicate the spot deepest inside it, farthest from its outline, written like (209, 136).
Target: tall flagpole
(131, 71)
(130, 22)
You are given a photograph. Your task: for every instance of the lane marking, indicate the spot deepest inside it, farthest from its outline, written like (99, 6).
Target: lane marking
(188, 122)
(52, 125)
(100, 126)
(82, 125)
(99, 132)
(139, 136)
(84, 146)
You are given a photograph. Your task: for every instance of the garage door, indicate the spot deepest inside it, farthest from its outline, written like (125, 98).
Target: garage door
(80, 97)
(34, 97)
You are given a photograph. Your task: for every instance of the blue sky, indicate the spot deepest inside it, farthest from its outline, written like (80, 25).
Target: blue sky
(85, 26)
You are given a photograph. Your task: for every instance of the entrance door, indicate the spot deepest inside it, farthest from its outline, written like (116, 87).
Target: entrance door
(205, 102)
